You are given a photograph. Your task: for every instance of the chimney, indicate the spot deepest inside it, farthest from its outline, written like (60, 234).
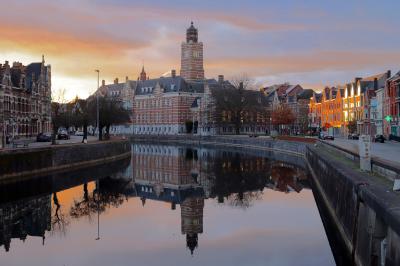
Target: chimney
(389, 74)
(241, 85)
(173, 73)
(103, 83)
(116, 81)
(375, 83)
(126, 78)
(220, 78)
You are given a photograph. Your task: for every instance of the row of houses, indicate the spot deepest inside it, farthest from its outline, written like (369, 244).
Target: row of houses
(371, 103)
(294, 97)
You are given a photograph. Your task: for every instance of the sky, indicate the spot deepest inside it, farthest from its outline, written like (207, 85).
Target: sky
(314, 43)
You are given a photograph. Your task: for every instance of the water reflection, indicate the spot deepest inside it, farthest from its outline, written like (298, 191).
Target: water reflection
(178, 176)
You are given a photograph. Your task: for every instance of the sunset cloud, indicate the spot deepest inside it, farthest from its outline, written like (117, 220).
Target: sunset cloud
(316, 44)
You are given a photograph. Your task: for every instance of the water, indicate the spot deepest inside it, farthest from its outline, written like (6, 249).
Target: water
(167, 206)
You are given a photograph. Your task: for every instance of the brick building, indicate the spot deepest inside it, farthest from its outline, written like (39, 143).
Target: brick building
(192, 56)
(162, 106)
(186, 104)
(392, 106)
(166, 173)
(25, 99)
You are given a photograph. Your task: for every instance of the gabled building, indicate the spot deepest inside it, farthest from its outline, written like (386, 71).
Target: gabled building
(315, 112)
(122, 92)
(162, 106)
(331, 109)
(186, 104)
(25, 99)
(367, 88)
(295, 97)
(355, 101)
(392, 106)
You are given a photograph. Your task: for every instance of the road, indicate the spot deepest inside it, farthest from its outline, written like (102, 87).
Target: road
(390, 150)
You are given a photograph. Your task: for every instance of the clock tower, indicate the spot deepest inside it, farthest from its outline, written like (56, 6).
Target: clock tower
(192, 56)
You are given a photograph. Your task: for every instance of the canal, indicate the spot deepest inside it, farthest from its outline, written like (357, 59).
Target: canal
(167, 205)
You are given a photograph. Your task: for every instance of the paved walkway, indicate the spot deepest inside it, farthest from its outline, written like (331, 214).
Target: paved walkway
(73, 139)
(390, 150)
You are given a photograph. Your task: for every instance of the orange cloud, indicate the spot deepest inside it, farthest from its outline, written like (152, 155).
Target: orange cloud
(300, 63)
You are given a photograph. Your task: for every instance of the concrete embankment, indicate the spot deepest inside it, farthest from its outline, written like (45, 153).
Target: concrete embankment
(363, 208)
(264, 143)
(285, 151)
(16, 165)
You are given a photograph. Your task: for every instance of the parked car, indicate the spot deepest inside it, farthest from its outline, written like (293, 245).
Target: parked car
(353, 136)
(43, 137)
(325, 136)
(62, 134)
(379, 138)
(78, 133)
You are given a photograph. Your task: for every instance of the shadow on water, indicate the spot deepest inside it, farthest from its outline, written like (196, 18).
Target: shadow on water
(175, 175)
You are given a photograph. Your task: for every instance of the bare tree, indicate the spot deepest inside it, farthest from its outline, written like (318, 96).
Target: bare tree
(239, 104)
(58, 112)
(59, 221)
(111, 112)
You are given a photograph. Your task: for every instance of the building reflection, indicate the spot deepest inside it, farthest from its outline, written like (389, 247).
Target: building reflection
(24, 218)
(186, 177)
(180, 176)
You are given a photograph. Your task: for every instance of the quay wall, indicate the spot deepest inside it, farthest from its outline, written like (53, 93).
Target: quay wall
(366, 215)
(285, 151)
(20, 163)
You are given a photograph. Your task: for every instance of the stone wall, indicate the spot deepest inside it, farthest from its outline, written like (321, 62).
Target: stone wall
(36, 161)
(365, 213)
(288, 147)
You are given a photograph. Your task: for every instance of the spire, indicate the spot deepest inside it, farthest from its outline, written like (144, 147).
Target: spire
(143, 75)
(191, 242)
(43, 59)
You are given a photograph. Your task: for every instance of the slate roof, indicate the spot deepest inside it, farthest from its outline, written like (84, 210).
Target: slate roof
(318, 97)
(305, 94)
(167, 84)
(15, 76)
(377, 76)
(395, 77)
(178, 84)
(114, 87)
(35, 69)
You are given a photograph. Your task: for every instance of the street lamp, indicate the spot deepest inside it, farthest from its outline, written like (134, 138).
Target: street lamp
(97, 102)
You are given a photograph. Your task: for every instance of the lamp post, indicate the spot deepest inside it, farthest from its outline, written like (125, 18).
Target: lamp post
(97, 103)
(98, 208)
